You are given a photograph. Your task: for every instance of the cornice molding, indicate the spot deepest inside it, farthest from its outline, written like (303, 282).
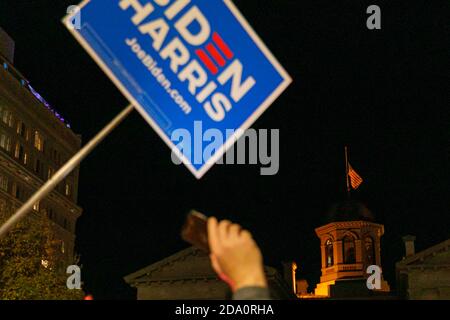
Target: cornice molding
(332, 226)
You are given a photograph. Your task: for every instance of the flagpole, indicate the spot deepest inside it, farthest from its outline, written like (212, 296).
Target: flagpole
(63, 172)
(346, 173)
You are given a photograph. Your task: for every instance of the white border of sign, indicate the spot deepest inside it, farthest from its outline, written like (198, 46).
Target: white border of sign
(238, 133)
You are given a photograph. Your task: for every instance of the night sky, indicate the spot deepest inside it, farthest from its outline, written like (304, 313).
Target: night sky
(385, 93)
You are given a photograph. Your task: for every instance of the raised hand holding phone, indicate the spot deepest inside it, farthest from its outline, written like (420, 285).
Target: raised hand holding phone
(195, 230)
(235, 256)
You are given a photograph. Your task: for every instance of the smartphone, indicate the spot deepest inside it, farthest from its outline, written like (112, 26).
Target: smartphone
(195, 230)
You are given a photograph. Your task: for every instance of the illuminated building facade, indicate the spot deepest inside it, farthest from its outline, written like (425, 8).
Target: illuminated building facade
(348, 248)
(35, 141)
(349, 244)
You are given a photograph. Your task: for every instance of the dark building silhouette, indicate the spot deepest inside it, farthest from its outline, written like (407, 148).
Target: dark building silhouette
(188, 275)
(424, 275)
(349, 244)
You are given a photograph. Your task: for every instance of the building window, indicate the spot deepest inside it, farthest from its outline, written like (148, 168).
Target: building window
(16, 191)
(45, 263)
(370, 251)
(329, 253)
(38, 141)
(20, 154)
(5, 142)
(39, 168)
(22, 130)
(7, 117)
(50, 213)
(4, 183)
(50, 172)
(348, 248)
(63, 247)
(18, 151)
(68, 189)
(2, 206)
(54, 155)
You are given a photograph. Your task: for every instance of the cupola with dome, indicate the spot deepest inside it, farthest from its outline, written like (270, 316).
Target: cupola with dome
(350, 243)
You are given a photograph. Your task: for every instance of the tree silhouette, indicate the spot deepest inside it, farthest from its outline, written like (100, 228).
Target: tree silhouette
(32, 264)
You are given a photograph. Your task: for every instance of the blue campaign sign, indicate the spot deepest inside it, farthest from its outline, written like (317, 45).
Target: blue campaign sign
(185, 65)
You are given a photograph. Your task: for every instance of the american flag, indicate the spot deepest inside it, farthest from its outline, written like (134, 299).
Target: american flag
(355, 179)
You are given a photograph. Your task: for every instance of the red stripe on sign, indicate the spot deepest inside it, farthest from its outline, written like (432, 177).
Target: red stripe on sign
(222, 45)
(207, 61)
(215, 54)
